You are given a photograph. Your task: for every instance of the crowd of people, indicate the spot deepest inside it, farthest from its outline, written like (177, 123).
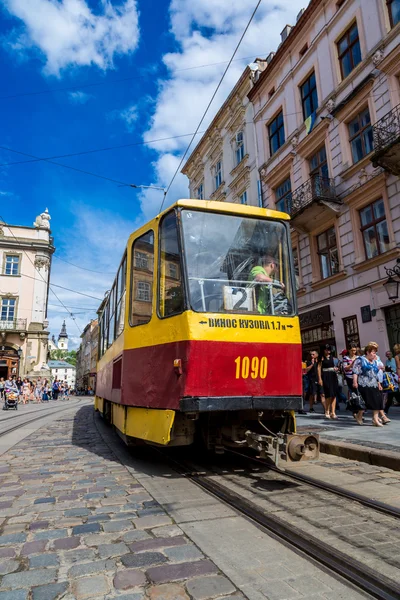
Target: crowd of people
(360, 379)
(38, 390)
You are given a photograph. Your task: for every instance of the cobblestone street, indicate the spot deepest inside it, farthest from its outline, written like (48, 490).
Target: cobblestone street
(76, 524)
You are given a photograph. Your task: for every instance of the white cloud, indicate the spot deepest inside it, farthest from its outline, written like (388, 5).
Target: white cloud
(129, 115)
(69, 34)
(3, 193)
(206, 32)
(79, 97)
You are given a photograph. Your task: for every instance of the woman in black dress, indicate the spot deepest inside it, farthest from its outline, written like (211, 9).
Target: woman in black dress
(327, 378)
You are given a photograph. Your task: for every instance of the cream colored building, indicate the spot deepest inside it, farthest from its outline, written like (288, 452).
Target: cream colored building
(86, 358)
(25, 260)
(223, 166)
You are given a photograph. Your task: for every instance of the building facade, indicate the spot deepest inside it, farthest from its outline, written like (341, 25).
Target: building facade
(86, 358)
(63, 371)
(224, 165)
(327, 121)
(25, 263)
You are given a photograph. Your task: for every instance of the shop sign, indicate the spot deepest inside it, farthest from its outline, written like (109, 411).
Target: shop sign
(366, 315)
(318, 316)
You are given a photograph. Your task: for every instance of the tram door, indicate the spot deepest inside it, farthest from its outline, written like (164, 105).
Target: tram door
(392, 315)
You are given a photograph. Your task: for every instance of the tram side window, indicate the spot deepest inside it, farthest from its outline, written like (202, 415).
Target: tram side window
(111, 320)
(170, 289)
(121, 296)
(142, 279)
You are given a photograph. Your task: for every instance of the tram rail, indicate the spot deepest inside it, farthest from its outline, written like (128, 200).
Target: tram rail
(340, 563)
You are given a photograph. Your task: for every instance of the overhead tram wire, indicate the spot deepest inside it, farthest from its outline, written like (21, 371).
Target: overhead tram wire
(83, 268)
(209, 104)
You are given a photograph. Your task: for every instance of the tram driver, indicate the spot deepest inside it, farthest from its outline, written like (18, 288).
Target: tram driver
(271, 298)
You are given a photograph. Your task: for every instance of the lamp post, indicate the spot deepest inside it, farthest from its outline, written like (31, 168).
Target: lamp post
(19, 352)
(392, 284)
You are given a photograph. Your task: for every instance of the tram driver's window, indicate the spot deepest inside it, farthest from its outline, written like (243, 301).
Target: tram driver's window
(142, 279)
(170, 289)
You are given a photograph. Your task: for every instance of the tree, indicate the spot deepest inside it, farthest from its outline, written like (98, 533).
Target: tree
(67, 356)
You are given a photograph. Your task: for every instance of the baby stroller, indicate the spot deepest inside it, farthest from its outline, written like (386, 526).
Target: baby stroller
(11, 400)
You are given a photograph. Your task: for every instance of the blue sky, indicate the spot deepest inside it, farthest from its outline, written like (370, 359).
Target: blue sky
(158, 47)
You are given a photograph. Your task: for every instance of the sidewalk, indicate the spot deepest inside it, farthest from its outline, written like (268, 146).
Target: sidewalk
(346, 429)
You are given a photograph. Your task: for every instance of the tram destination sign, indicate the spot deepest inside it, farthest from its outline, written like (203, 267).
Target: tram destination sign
(318, 316)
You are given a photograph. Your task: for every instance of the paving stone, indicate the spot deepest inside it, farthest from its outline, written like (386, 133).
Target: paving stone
(78, 555)
(33, 547)
(13, 538)
(45, 501)
(167, 591)
(66, 543)
(143, 559)
(96, 539)
(51, 534)
(90, 587)
(117, 526)
(167, 573)
(97, 566)
(135, 536)
(7, 552)
(43, 560)
(183, 553)
(14, 595)
(8, 566)
(154, 521)
(98, 518)
(77, 512)
(38, 525)
(130, 578)
(29, 578)
(108, 550)
(154, 544)
(167, 531)
(133, 596)
(202, 588)
(87, 528)
(49, 592)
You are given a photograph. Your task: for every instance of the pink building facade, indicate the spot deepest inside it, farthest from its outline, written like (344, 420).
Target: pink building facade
(327, 123)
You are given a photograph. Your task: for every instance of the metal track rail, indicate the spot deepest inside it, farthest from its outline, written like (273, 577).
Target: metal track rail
(27, 422)
(382, 507)
(358, 574)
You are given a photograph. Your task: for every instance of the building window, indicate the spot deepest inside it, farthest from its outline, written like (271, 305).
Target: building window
(141, 260)
(309, 96)
(394, 11)
(11, 265)
(56, 370)
(351, 334)
(218, 174)
(171, 300)
(328, 253)
(360, 132)
(142, 283)
(8, 309)
(143, 291)
(283, 196)
(276, 133)
(374, 229)
(319, 165)
(200, 192)
(173, 271)
(349, 51)
(243, 198)
(239, 147)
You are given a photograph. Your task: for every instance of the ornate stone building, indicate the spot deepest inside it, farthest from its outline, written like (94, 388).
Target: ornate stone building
(25, 262)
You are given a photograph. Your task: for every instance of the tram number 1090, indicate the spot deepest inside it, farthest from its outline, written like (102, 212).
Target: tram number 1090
(255, 367)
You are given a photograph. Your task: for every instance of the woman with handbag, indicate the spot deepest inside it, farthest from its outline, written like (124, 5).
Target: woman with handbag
(327, 378)
(366, 379)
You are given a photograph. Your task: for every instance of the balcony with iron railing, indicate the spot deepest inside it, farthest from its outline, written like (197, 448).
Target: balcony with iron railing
(309, 203)
(13, 325)
(386, 133)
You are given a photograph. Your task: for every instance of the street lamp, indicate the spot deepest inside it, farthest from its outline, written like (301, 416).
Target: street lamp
(19, 352)
(392, 285)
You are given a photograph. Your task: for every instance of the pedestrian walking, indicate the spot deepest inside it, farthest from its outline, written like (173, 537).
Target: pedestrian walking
(45, 391)
(327, 379)
(56, 389)
(396, 352)
(390, 363)
(366, 378)
(38, 391)
(312, 376)
(18, 382)
(2, 386)
(26, 391)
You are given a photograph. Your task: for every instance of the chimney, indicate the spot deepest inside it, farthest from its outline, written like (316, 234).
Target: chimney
(270, 57)
(285, 32)
(300, 14)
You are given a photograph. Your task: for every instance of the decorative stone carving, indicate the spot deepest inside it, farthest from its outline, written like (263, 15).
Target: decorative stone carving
(22, 335)
(43, 220)
(363, 176)
(330, 105)
(42, 262)
(1, 232)
(3, 336)
(263, 172)
(378, 56)
(294, 141)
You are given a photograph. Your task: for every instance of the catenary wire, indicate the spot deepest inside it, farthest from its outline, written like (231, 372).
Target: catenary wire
(210, 102)
(83, 268)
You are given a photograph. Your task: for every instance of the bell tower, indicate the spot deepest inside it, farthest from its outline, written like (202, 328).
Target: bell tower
(63, 338)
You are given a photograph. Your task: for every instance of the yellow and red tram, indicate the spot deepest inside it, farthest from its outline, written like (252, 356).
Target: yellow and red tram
(199, 335)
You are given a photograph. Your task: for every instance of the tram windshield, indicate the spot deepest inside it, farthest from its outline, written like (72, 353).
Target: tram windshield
(237, 264)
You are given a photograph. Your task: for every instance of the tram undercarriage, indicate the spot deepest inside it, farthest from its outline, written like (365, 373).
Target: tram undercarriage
(272, 434)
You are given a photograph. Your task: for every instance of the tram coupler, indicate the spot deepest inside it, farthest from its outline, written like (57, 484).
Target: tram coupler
(284, 447)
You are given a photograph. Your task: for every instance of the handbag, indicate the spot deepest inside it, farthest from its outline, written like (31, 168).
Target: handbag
(356, 401)
(388, 382)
